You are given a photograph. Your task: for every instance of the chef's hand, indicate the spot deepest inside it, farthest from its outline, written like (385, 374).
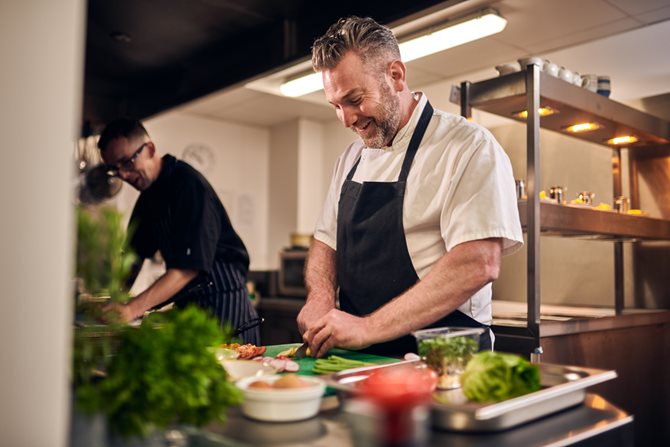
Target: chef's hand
(311, 312)
(119, 312)
(337, 329)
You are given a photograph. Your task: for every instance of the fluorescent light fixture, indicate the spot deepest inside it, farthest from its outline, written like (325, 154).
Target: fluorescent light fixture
(454, 33)
(302, 85)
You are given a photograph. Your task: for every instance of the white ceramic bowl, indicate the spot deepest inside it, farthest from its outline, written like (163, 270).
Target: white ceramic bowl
(240, 369)
(281, 405)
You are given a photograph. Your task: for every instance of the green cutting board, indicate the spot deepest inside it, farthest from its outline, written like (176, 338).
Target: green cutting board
(307, 363)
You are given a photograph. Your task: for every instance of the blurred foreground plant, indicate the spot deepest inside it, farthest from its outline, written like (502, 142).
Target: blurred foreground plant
(146, 377)
(104, 259)
(163, 373)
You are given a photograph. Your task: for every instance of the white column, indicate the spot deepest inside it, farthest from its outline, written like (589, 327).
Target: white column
(296, 182)
(310, 174)
(283, 184)
(41, 49)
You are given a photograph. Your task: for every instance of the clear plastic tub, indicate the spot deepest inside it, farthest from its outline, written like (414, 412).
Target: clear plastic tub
(447, 350)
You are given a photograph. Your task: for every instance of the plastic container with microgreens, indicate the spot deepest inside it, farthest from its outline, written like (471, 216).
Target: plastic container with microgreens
(447, 351)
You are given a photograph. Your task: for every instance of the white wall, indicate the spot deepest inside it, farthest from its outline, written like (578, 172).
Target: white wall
(336, 139)
(283, 193)
(310, 174)
(298, 180)
(41, 48)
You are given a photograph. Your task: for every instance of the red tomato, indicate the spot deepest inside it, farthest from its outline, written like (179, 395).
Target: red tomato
(404, 387)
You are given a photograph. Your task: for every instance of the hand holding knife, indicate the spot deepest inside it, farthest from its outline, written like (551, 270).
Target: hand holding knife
(301, 352)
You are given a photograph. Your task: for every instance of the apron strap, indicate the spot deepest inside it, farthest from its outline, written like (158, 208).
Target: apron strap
(414, 142)
(353, 169)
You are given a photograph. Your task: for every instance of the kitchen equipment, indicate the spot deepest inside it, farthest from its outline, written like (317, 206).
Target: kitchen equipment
(557, 193)
(248, 325)
(291, 276)
(590, 82)
(447, 350)
(577, 79)
(301, 240)
(96, 186)
(520, 189)
(301, 352)
(587, 197)
(369, 428)
(281, 405)
(565, 74)
(550, 68)
(398, 396)
(240, 369)
(604, 86)
(622, 204)
(563, 386)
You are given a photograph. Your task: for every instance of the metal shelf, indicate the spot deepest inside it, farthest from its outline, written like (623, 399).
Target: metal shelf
(506, 95)
(571, 221)
(531, 89)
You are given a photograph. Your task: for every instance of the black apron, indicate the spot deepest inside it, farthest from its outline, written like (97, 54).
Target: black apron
(373, 262)
(224, 294)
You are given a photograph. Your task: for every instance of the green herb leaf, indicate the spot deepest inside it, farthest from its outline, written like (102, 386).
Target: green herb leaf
(162, 373)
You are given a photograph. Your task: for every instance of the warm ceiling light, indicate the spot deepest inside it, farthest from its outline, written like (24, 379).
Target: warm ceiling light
(543, 111)
(454, 33)
(583, 127)
(626, 139)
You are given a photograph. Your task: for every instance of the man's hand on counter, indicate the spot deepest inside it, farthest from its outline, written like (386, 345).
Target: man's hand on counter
(337, 329)
(119, 312)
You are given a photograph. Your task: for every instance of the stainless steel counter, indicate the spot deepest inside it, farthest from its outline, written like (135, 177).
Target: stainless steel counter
(596, 421)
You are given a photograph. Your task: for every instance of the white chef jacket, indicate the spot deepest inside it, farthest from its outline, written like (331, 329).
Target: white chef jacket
(460, 188)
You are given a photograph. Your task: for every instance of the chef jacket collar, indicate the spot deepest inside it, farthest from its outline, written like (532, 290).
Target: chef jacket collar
(169, 163)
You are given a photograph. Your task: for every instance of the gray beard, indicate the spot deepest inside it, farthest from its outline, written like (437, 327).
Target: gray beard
(387, 122)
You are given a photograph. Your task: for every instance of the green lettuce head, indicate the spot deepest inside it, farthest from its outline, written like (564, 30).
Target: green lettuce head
(493, 377)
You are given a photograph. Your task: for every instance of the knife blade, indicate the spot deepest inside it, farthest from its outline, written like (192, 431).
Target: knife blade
(301, 352)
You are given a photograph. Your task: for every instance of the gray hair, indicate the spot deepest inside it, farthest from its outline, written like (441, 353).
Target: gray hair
(372, 42)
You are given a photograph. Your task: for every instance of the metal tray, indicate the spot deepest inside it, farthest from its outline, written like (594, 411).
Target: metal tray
(562, 387)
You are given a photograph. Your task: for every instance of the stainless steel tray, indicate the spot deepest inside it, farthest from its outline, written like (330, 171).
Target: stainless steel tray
(562, 387)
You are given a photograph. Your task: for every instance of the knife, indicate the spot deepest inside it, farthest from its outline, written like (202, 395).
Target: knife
(301, 352)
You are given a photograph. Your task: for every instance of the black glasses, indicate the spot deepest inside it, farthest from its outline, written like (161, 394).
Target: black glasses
(125, 165)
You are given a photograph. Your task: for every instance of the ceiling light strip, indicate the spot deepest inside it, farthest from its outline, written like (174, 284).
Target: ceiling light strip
(459, 32)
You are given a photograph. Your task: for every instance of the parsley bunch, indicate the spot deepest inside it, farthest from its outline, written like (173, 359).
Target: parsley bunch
(162, 373)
